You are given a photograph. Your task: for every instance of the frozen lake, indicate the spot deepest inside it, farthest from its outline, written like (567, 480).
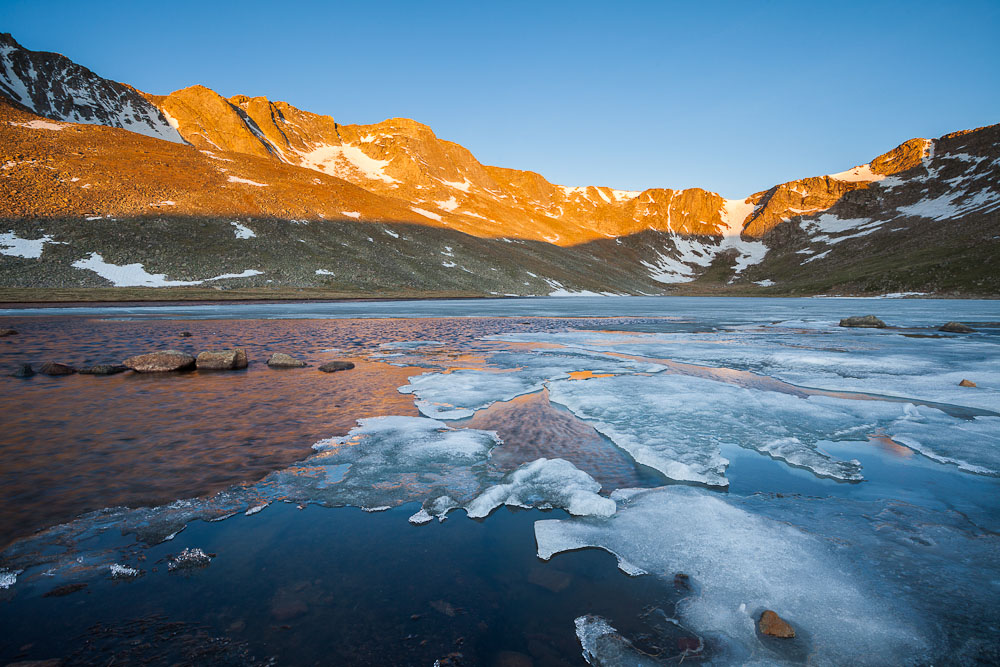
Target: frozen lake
(618, 480)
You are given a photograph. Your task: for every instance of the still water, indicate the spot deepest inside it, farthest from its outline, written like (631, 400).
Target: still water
(762, 405)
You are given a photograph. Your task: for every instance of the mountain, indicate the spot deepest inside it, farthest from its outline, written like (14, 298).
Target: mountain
(192, 188)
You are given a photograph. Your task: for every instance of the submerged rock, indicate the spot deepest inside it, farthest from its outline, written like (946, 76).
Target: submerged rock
(334, 366)
(956, 327)
(104, 369)
(62, 591)
(282, 360)
(866, 322)
(55, 369)
(773, 625)
(511, 659)
(23, 371)
(226, 360)
(160, 362)
(966, 383)
(7, 332)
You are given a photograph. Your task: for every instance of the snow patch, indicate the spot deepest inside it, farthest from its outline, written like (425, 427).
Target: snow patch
(14, 246)
(426, 214)
(860, 174)
(242, 231)
(246, 181)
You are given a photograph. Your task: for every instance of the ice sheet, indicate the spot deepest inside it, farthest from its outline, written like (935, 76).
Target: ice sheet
(458, 394)
(744, 563)
(677, 424)
(819, 354)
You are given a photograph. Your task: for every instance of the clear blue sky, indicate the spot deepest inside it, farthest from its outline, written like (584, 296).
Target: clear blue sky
(729, 96)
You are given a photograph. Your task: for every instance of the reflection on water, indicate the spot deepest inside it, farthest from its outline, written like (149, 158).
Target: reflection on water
(339, 586)
(300, 584)
(80, 443)
(531, 427)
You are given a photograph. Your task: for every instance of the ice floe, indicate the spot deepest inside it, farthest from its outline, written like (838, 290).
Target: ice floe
(678, 424)
(459, 394)
(545, 483)
(820, 355)
(744, 562)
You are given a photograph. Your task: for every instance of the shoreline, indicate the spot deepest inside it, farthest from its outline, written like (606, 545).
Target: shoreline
(25, 298)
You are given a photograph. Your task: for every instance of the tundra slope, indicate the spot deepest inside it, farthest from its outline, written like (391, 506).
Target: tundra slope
(249, 192)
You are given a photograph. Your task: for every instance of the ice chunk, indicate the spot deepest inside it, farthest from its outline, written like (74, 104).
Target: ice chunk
(458, 394)
(820, 355)
(745, 563)
(392, 460)
(545, 483)
(973, 445)
(189, 559)
(421, 517)
(119, 571)
(677, 424)
(8, 578)
(602, 645)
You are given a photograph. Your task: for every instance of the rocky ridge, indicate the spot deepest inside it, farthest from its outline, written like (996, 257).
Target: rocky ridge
(53, 86)
(910, 220)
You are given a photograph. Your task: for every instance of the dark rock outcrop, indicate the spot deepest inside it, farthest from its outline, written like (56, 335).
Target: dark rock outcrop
(774, 626)
(23, 371)
(334, 366)
(160, 362)
(104, 369)
(282, 360)
(55, 369)
(956, 327)
(866, 322)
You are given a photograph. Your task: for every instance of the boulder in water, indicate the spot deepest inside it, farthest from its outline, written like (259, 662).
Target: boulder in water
(282, 360)
(23, 371)
(160, 362)
(55, 369)
(226, 360)
(956, 327)
(773, 625)
(334, 366)
(104, 369)
(865, 322)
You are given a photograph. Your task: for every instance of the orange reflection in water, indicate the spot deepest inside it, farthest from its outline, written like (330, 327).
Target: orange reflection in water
(887, 444)
(531, 427)
(586, 375)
